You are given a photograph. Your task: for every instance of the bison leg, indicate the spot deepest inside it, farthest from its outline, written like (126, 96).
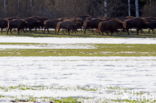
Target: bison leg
(149, 30)
(103, 33)
(138, 31)
(44, 30)
(18, 31)
(100, 33)
(58, 30)
(128, 32)
(68, 31)
(55, 30)
(85, 31)
(153, 31)
(48, 30)
(1, 30)
(9, 29)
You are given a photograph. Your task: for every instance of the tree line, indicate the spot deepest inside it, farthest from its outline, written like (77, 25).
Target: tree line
(60, 8)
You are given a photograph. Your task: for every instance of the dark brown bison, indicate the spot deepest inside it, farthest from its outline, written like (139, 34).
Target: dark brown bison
(110, 26)
(41, 20)
(151, 23)
(67, 25)
(32, 23)
(51, 24)
(3, 24)
(78, 23)
(135, 23)
(35, 22)
(70, 24)
(91, 24)
(18, 24)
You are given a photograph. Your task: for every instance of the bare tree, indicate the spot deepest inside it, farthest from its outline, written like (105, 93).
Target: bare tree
(18, 4)
(129, 7)
(105, 8)
(4, 4)
(137, 8)
(31, 3)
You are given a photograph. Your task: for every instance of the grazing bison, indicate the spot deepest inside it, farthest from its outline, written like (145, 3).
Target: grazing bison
(110, 26)
(70, 24)
(135, 23)
(32, 23)
(3, 24)
(91, 24)
(151, 23)
(78, 23)
(51, 24)
(18, 24)
(67, 25)
(35, 22)
(41, 20)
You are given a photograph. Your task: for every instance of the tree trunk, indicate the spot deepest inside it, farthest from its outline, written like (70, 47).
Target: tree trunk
(137, 8)
(5, 6)
(105, 8)
(18, 4)
(129, 7)
(31, 3)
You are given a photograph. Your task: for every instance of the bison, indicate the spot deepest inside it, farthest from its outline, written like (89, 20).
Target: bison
(32, 23)
(110, 26)
(51, 24)
(151, 23)
(67, 25)
(18, 24)
(70, 24)
(91, 24)
(135, 23)
(3, 24)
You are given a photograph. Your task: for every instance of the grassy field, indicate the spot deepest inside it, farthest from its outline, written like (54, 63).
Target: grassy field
(81, 34)
(99, 50)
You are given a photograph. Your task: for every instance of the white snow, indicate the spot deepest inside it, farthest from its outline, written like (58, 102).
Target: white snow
(48, 46)
(67, 75)
(56, 40)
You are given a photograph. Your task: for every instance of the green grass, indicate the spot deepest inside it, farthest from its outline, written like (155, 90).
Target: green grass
(100, 50)
(75, 99)
(81, 34)
(48, 99)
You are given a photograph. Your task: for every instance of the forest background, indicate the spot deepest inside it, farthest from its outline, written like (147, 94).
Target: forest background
(68, 8)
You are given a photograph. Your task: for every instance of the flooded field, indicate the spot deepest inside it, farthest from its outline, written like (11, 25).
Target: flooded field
(81, 77)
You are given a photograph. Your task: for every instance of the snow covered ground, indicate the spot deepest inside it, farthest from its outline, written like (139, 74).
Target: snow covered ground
(56, 40)
(96, 77)
(93, 77)
(47, 46)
